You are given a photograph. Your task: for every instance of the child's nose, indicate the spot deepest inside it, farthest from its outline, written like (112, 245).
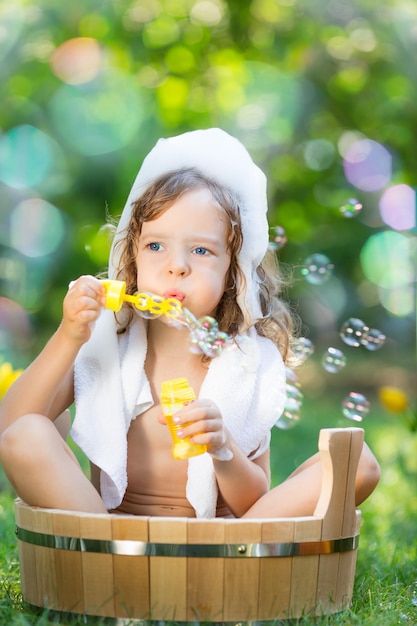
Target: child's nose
(178, 265)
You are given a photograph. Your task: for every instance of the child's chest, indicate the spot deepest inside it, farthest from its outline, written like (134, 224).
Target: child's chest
(160, 370)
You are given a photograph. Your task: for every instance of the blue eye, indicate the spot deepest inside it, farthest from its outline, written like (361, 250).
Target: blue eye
(154, 246)
(201, 250)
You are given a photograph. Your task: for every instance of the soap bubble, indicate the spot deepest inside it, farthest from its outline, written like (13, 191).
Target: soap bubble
(333, 360)
(291, 377)
(294, 395)
(355, 406)
(278, 238)
(373, 339)
(293, 403)
(292, 408)
(351, 208)
(317, 269)
(352, 331)
(303, 348)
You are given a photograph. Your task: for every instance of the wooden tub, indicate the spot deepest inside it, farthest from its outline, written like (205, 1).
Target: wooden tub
(155, 570)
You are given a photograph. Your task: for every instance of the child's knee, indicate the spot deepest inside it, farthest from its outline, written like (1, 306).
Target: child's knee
(373, 472)
(369, 473)
(23, 440)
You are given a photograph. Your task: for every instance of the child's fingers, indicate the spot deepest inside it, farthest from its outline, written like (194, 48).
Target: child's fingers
(85, 294)
(81, 307)
(161, 419)
(202, 416)
(87, 286)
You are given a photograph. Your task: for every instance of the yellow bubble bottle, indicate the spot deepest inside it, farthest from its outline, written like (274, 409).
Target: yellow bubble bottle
(175, 394)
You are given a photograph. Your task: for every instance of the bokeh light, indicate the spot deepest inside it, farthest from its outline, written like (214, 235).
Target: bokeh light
(367, 165)
(36, 228)
(97, 242)
(387, 259)
(12, 19)
(161, 31)
(77, 61)
(261, 102)
(26, 156)
(398, 207)
(16, 333)
(319, 154)
(98, 117)
(400, 301)
(207, 12)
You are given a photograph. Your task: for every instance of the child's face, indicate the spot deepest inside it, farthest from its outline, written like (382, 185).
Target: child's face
(183, 253)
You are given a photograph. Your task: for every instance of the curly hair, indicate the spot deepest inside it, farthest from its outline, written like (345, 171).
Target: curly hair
(277, 321)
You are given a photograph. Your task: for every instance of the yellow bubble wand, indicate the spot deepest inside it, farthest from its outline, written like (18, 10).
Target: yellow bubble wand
(204, 332)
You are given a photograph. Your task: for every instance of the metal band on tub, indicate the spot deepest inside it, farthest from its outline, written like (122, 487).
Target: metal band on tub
(144, 548)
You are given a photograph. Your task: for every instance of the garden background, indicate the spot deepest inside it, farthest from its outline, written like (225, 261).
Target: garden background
(323, 94)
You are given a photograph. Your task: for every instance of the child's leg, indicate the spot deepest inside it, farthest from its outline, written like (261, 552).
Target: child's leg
(43, 469)
(299, 493)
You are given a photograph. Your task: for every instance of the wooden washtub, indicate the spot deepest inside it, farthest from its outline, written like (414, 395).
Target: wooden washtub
(222, 571)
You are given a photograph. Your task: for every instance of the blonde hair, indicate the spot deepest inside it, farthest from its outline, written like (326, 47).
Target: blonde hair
(277, 321)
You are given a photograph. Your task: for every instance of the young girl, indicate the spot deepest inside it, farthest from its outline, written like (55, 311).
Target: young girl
(194, 228)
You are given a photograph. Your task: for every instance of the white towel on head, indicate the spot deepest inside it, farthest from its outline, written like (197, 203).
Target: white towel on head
(247, 382)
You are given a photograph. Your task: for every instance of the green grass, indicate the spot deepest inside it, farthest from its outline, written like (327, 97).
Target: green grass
(386, 576)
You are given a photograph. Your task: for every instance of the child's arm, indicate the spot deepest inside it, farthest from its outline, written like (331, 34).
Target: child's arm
(241, 481)
(46, 386)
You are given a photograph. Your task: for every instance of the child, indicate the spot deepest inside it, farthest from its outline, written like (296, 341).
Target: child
(194, 228)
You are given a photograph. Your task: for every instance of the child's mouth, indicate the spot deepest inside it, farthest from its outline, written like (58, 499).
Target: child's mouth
(175, 293)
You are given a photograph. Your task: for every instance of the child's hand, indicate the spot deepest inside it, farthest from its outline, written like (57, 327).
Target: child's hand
(81, 308)
(203, 423)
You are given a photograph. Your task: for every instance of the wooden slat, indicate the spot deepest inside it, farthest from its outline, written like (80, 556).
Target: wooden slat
(275, 573)
(339, 472)
(349, 517)
(334, 446)
(168, 575)
(27, 557)
(68, 565)
(205, 575)
(304, 579)
(45, 559)
(241, 575)
(98, 579)
(131, 573)
(346, 574)
(347, 560)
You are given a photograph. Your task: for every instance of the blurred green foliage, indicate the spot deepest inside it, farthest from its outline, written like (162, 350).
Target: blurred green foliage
(87, 87)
